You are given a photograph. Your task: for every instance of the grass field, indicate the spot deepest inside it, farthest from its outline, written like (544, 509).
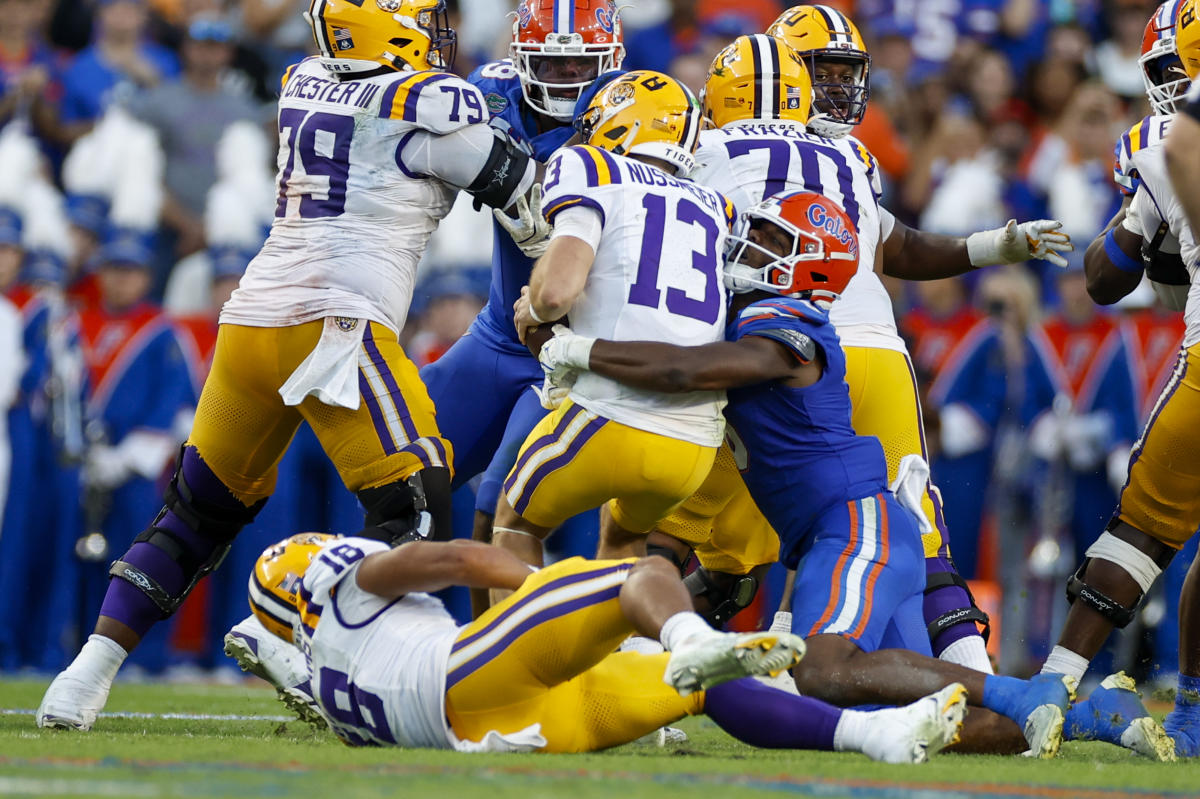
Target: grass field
(248, 751)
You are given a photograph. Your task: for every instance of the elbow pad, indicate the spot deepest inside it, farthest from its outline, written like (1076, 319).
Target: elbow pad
(502, 173)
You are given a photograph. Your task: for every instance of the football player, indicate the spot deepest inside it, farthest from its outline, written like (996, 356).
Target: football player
(390, 667)
(859, 590)
(761, 148)
(558, 51)
(375, 138)
(635, 252)
(1158, 508)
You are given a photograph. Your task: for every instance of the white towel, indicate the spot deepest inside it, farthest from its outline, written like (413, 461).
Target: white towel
(909, 488)
(526, 740)
(330, 372)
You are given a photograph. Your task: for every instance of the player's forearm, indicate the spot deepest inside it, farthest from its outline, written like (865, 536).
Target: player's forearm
(1107, 281)
(919, 255)
(671, 369)
(432, 566)
(559, 277)
(1183, 162)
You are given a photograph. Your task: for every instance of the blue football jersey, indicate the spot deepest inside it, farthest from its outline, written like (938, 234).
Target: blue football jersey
(510, 267)
(801, 453)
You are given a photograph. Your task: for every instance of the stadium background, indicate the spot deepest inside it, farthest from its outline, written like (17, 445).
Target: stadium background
(981, 110)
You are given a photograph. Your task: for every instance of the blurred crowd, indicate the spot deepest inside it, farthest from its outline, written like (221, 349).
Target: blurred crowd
(137, 181)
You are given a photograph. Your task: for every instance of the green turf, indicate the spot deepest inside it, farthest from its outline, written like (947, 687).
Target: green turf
(251, 758)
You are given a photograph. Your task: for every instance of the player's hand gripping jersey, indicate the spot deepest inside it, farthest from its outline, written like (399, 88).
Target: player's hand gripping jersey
(750, 160)
(367, 169)
(378, 666)
(656, 276)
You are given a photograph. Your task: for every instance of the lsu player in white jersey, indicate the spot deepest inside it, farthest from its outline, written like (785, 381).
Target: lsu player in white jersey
(375, 139)
(537, 672)
(760, 149)
(636, 253)
(1159, 506)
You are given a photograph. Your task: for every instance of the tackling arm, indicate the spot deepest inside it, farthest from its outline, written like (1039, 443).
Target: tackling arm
(672, 369)
(433, 565)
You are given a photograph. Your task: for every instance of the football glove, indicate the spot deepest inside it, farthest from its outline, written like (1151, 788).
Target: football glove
(530, 230)
(566, 350)
(1041, 239)
(554, 391)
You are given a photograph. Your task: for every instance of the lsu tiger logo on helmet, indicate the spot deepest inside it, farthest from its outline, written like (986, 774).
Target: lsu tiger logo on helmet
(559, 47)
(838, 63)
(645, 113)
(401, 34)
(275, 581)
(1162, 72)
(1187, 38)
(800, 245)
(756, 77)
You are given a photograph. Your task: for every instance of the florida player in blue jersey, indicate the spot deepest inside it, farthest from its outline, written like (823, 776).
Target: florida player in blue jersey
(483, 386)
(859, 590)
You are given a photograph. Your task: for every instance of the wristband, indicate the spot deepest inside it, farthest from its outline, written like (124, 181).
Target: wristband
(1119, 258)
(533, 315)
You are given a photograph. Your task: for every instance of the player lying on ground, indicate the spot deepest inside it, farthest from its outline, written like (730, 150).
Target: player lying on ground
(822, 488)
(390, 667)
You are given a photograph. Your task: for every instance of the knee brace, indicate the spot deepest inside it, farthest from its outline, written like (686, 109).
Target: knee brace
(726, 593)
(971, 613)
(1142, 568)
(194, 529)
(668, 553)
(414, 509)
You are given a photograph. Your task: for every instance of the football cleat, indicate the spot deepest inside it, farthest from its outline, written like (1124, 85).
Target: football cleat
(912, 733)
(72, 703)
(703, 661)
(264, 655)
(1114, 714)
(663, 736)
(1044, 712)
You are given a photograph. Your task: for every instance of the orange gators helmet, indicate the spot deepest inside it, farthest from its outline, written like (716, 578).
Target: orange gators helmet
(1162, 72)
(800, 245)
(756, 77)
(275, 581)
(559, 47)
(399, 34)
(645, 113)
(823, 35)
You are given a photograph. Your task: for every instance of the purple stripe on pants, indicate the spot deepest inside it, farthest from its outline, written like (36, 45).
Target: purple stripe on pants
(381, 429)
(589, 430)
(537, 444)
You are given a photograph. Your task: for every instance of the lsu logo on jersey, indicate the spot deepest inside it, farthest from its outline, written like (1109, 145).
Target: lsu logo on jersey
(834, 227)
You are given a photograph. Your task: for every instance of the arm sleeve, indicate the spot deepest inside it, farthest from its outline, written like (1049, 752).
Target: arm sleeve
(460, 158)
(582, 223)
(887, 223)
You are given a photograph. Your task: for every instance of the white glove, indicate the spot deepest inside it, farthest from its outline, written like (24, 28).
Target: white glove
(1014, 243)
(105, 468)
(566, 350)
(530, 230)
(556, 388)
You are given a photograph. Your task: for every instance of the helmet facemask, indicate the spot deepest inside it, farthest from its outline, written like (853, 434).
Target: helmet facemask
(443, 40)
(1164, 77)
(751, 266)
(554, 74)
(838, 105)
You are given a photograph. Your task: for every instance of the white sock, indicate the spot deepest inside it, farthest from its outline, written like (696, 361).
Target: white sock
(782, 622)
(682, 626)
(851, 731)
(100, 658)
(641, 644)
(1064, 661)
(969, 652)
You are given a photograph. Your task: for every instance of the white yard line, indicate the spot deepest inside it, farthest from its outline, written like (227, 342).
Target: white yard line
(174, 716)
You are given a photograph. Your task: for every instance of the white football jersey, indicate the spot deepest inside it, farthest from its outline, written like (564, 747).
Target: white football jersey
(657, 276)
(1155, 202)
(378, 666)
(353, 214)
(750, 160)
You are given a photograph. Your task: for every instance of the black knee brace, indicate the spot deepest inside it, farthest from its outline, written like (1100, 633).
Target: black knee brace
(958, 615)
(726, 594)
(414, 509)
(1119, 615)
(668, 553)
(208, 520)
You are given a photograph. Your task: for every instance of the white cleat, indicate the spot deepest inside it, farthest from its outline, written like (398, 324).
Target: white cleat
(912, 733)
(1044, 732)
(260, 652)
(663, 736)
(1148, 738)
(703, 661)
(72, 703)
